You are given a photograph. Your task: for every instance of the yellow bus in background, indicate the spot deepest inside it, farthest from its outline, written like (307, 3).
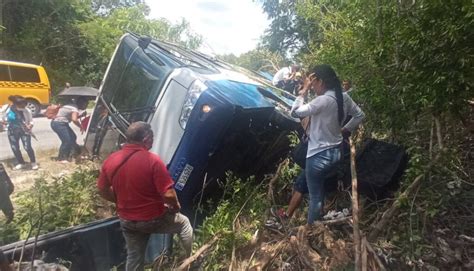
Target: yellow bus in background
(27, 80)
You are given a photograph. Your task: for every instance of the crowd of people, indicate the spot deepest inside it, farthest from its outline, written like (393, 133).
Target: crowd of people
(19, 120)
(139, 184)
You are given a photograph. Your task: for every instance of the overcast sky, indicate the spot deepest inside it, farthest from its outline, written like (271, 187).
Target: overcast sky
(227, 26)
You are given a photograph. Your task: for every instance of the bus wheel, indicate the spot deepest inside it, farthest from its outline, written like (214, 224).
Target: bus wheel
(34, 107)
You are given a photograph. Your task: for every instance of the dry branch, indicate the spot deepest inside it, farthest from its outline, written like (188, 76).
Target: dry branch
(355, 208)
(38, 231)
(336, 221)
(468, 238)
(305, 252)
(198, 253)
(363, 256)
(369, 248)
(273, 180)
(393, 210)
(329, 222)
(439, 136)
(269, 257)
(387, 216)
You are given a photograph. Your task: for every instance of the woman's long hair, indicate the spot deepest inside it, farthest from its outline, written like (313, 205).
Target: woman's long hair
(17, 100)
(327, 74)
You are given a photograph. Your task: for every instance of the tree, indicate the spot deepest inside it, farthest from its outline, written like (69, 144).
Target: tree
(405, 58)
(102, 34)
(288, 33)
(257, 60)
(44, 32)
(74, 39)
(105, 7)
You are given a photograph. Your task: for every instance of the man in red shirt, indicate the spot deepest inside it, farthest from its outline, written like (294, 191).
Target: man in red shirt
(142, 189)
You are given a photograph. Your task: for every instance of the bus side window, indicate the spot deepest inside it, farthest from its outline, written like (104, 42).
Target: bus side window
(4, 73)
(23, 74)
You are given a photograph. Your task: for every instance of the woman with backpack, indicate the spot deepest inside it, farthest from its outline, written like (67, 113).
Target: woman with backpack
(20, 125)
(60, 125)
(325, 133)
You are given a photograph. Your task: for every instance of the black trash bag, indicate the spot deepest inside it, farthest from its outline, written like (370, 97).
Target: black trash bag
(380, 166)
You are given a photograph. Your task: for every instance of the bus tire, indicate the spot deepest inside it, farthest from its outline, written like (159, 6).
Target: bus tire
(34, 107)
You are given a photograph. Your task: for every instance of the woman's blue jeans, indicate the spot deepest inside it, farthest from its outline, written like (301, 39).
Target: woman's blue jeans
(67, 137)
(317, 169)
(14, 139)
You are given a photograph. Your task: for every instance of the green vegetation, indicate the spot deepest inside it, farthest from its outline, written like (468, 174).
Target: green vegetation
(411, 64)
(74, 40)
(237, 217)
(260, 59)
(53, 204)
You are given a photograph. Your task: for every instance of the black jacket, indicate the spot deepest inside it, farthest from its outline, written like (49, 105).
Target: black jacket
(6, 188)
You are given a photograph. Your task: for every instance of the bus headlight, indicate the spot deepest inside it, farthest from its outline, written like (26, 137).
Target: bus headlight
(197, 87)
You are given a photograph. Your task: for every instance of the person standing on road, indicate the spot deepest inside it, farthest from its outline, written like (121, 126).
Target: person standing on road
(60, 125)
(326, 129)
(20, 125)
(142, 189)
(6, 189)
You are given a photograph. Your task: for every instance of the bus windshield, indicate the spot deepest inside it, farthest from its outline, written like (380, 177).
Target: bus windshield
(134, 80)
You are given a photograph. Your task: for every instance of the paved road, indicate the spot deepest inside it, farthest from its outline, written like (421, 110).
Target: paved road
(47, 139)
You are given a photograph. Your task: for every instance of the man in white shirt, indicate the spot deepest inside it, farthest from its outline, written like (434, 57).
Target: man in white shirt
(347, 86)
(284, 75)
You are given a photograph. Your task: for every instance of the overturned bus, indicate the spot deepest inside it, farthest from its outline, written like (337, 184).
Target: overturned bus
(207, 118)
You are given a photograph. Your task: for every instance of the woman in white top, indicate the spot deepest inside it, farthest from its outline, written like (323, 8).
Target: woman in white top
(20, 124)
(60, 125)
(327, 113)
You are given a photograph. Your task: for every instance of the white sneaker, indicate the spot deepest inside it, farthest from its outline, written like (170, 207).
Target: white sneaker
(19, 166)
(34, 166)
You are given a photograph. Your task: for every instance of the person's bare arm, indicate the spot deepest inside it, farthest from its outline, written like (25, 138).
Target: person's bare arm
(107, 193)
(171, 200)
(75, 120)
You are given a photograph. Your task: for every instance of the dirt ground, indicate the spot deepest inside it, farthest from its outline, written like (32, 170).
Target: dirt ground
(48, 166)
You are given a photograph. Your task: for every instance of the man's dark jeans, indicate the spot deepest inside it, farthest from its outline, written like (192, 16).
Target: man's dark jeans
(67, 137)
(14, 137)
(137, 233)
